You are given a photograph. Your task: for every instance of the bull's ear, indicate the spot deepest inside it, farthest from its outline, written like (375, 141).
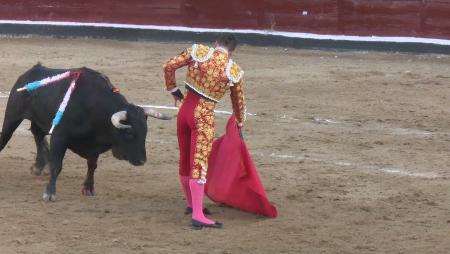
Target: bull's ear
(153, 113)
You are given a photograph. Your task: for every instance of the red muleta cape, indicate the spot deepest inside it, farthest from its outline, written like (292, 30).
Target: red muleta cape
(232, 176)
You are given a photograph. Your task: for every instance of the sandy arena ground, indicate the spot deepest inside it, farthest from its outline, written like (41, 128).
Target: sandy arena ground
(353, 148)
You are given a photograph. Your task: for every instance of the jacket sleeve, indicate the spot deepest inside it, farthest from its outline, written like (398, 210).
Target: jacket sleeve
(238, 101)
(172, 65)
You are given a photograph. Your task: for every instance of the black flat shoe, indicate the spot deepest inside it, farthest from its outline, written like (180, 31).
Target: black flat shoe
(199, 225)
(188, 210)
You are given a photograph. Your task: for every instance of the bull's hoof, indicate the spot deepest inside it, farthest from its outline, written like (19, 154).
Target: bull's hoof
(46, 171)
(38, 171)
(47, 197)
(34, 170)
(88, 191)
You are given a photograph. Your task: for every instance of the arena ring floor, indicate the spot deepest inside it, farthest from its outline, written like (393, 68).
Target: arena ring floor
(352, 147)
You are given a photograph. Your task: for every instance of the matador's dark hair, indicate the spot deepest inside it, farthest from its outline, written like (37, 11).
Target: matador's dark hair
(228, 40)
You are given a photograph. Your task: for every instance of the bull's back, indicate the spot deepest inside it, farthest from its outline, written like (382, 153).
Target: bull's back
(91, 103)
(39, 105)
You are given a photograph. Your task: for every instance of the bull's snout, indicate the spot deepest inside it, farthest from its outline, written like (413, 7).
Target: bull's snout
(138, 163)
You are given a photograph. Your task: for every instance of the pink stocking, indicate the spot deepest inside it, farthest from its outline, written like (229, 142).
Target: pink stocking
(197, 191)
(187, 191)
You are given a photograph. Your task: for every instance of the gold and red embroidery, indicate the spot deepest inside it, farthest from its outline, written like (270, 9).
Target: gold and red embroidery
(234, 72)
(172, 65)
(204, 120)
(238, 101)
(201, 53)
(211, 73)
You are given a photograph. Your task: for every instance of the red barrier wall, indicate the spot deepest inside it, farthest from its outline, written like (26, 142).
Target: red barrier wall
(417, 18)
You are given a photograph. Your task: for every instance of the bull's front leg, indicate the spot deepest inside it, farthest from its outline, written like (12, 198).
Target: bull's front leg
(88, 185)
(58, 149)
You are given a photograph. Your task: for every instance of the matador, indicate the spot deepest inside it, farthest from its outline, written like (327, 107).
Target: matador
(211, 74)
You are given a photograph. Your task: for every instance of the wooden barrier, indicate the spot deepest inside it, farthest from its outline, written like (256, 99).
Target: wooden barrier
(412, 18)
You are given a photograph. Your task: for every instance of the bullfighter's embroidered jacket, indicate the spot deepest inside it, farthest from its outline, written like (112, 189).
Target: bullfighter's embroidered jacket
(211, 74)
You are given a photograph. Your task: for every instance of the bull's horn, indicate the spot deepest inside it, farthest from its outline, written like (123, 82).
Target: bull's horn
(117, 117)
(153, 113)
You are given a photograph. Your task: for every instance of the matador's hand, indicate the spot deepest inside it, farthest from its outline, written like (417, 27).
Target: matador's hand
(176, 100)
(240, 126)
(177, 96)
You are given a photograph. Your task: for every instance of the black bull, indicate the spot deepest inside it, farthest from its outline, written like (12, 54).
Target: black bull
(96, 119)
